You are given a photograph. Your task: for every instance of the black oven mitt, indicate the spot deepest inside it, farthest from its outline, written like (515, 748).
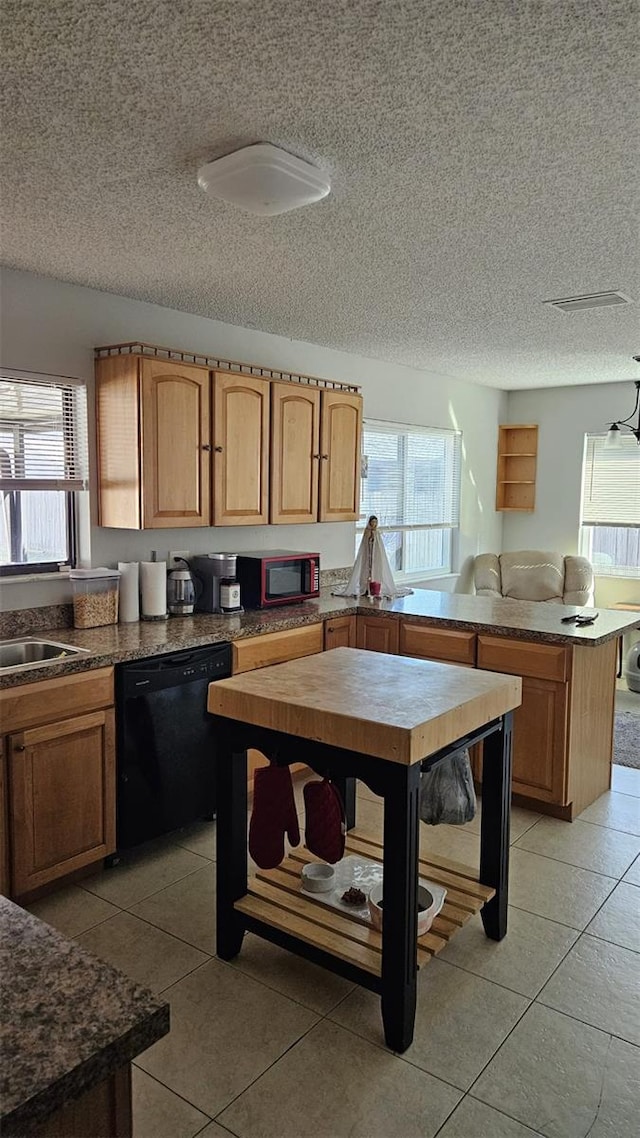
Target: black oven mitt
(273, 815)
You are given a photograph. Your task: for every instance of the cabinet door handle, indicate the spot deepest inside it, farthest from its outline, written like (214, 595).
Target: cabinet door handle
(206, 446)
(324, 456)
(316, 456)
(19, 747)
(218, 450)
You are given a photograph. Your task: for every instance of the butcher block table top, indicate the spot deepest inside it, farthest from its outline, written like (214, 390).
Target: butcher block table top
(393, 707)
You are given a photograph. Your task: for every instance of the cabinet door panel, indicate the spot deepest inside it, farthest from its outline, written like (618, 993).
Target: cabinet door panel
(539, 735)
(341, 424)
(62, 798)
(295, 445)
(377, 633)
(340, 632)
(241, 450)
(175, 432)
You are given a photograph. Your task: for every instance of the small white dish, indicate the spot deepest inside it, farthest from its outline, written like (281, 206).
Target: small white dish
(429, 906)
(318, 877)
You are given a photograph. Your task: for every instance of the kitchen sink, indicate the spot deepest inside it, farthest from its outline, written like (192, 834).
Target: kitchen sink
(31, 652)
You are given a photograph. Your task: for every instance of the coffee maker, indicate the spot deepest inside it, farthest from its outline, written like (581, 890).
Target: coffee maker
(211, 569)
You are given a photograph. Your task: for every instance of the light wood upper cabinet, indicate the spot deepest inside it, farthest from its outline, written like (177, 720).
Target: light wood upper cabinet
(241, 450)
(153, 443)
(175, 445)
(340, 430)
(182, 446)
(295, 453)
(62, 798)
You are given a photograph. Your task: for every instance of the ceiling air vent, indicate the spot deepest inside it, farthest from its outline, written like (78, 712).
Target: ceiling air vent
(596, 300)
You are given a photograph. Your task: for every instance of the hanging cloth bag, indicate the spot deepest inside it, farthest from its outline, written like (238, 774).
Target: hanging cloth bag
(447, 793)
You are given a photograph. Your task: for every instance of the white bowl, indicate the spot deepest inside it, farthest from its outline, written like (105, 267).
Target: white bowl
(318, 877)
(427, 905)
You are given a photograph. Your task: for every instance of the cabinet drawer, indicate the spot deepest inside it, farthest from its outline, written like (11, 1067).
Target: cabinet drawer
(59, 698)
(518, 658)
(276, 647)
(437, 643)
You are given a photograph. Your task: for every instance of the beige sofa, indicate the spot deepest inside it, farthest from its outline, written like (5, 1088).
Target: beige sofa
(532, 575)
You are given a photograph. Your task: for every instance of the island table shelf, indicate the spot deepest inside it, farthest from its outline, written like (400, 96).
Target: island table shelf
(350, 714)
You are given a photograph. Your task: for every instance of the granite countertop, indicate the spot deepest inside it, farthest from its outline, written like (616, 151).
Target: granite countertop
(523, 620)
(68, 1020)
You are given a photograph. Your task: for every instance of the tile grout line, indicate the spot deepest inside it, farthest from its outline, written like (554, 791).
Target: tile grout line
(146, 897)
(176, 1093)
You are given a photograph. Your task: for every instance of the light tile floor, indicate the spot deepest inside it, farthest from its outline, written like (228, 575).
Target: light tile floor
(536, 1035)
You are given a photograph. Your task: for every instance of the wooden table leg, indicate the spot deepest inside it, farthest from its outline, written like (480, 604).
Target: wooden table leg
(231, 850)
(494, 833)
(400, 920)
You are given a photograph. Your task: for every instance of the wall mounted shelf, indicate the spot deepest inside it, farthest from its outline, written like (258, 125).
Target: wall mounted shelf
(516, 474)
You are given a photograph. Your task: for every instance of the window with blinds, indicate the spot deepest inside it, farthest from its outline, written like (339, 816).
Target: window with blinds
(411, 482)
(43, 462)
(610, 508)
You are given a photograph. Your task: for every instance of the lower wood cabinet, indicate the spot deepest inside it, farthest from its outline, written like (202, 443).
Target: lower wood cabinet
(340, 632)
(540, 723)
(62, 797)
(4, 825)
(378, 633)
(539, 741)
(60, 760)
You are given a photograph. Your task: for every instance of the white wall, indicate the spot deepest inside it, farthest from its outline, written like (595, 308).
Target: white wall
(564, 415)
(53, 327)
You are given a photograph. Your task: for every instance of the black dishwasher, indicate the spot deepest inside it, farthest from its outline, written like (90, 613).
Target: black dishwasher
(166, 743)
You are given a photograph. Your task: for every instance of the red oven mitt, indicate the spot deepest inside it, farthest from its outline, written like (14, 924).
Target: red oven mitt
(273, 815)
(325, 824)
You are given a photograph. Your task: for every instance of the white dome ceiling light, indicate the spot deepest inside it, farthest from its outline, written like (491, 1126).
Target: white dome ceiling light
(263, 179)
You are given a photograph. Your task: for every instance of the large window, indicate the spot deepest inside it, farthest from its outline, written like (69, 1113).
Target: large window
(411, 482)
(610, 510)
(43, 463)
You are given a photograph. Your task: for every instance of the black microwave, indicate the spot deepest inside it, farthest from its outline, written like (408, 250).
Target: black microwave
(277, 577)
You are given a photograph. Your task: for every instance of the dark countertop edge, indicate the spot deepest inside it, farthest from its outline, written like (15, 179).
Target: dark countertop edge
(22, 1119)
(344, 607)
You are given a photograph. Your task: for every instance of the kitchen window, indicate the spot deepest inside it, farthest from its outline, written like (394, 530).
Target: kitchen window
(411, 481)
(610, 506)
(43, 465)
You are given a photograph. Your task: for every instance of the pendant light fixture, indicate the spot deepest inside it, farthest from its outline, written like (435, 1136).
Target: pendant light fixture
(616, 429)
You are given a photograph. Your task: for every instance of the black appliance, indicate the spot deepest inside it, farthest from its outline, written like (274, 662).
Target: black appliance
(166, 742)
(277, 577)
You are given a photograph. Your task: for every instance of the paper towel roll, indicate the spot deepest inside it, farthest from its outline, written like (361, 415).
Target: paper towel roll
(153, 586)
(129, 591)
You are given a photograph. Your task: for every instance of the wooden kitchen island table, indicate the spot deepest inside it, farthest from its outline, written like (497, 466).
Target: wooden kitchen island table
(350, 714)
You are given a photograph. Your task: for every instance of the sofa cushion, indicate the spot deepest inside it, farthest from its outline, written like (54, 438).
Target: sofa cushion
(530, 575)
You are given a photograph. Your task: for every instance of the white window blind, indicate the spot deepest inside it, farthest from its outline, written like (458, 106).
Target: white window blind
(410, 476)
(611, 483)
(43, 432)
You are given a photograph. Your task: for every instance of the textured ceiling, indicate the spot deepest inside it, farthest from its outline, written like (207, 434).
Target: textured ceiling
(483, 156)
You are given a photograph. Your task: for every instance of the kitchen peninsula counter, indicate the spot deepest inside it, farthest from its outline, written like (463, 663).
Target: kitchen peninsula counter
(69, 1028)
(500, 617)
